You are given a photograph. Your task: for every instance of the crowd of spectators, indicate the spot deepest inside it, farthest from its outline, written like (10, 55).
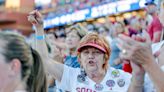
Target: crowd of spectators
(120, 56)
(68, 6)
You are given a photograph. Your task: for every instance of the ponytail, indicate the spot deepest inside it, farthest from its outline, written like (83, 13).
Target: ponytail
(37, 81)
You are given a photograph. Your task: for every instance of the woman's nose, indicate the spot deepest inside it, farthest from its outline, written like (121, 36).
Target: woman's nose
(91, 55)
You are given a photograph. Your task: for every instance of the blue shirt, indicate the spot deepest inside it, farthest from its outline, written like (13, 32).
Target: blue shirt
(114, 54)
(72, 61)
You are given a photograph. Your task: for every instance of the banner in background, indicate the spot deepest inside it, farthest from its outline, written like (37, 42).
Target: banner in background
(94, 12)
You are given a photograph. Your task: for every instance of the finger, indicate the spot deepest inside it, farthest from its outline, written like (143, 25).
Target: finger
(147, 37)
(39, 20)
(127, 39)
(39, 17)
(125, 56)
(156, 54)
(38, 14)
(33, 12)
(122, 45)
(140, 38)
(32, 19)
(126, 61)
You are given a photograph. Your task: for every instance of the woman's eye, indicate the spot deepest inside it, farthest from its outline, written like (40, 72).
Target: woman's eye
(97, 52)
(86, 52)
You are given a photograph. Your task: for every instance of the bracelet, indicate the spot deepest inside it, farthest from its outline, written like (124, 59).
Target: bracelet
(39, 37)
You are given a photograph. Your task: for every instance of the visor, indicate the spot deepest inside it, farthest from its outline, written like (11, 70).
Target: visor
(91, 45)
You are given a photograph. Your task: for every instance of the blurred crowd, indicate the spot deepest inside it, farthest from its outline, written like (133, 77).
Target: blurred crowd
(69, 6)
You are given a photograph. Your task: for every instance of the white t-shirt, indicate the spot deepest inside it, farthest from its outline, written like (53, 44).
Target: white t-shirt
(114, 81)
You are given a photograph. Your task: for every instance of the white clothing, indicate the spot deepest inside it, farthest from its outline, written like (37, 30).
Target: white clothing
(156, 46)
(70, 83)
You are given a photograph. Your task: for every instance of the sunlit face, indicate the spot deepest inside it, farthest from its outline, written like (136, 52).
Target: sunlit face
(5, 69)
(92, 59)
(72, 39)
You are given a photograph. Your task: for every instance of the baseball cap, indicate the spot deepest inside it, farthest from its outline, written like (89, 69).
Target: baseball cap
(150, 2)
(91, 44)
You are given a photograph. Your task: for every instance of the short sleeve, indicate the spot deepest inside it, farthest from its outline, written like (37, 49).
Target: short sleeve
(157, 26)
(68, 77)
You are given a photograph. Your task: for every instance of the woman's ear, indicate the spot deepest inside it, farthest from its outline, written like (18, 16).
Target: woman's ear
(15, 66)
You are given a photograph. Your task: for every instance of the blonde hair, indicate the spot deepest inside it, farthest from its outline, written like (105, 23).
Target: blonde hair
(99, 40)
(79, 28)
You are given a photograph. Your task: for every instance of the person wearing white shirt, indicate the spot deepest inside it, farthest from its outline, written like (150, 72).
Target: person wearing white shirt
(94, 75)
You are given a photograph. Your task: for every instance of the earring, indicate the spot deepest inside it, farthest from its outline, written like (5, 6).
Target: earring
(81, 77)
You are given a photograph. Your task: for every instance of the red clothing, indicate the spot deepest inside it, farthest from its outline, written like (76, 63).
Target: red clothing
(155, 26)
(127, 67)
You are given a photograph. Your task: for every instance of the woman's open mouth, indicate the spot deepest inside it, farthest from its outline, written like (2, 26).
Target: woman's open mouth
(92, 63)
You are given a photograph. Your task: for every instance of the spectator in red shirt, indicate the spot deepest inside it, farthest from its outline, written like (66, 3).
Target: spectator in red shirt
(155, 27)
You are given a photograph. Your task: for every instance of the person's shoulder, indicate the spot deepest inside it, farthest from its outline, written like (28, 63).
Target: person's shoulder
(71, 69)
(156, 20)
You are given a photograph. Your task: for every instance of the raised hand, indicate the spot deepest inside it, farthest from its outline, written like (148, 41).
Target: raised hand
(137, 49)
(35, 18)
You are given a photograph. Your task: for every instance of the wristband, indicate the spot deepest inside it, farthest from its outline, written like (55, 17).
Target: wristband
(40, 37)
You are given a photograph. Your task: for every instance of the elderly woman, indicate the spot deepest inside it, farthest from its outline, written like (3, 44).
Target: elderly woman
(21, 68)
(94, 74)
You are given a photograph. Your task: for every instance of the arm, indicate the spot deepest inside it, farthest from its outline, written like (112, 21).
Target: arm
(160, 57)
(156, 37)
(137, 81)
(140, 53)
(136, 84)
(157, 30)
(54, 68)
(156, 75)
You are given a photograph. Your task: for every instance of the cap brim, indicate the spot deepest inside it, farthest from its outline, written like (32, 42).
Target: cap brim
(146, 3)
(91, 45)
(150, 3)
